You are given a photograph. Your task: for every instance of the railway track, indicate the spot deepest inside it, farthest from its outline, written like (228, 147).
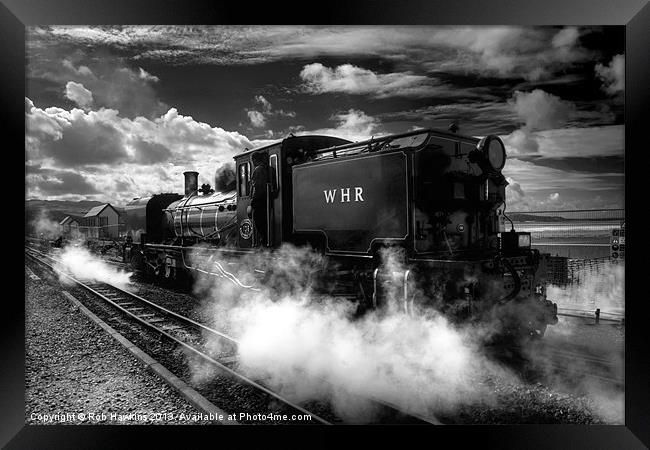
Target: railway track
(583, 365)
(192, 335)
(568, 366)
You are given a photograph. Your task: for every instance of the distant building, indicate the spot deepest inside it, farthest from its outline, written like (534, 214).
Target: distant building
(101, 222)
(70, 225)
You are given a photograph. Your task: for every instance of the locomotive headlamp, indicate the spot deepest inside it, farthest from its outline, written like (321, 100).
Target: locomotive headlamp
(494, 151)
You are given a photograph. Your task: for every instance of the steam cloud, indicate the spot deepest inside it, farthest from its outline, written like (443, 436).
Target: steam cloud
(84, 266)
(312, 347)
(45, 227)
(224, 179)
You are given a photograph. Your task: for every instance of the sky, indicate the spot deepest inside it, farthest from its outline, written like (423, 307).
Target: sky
(114, 113)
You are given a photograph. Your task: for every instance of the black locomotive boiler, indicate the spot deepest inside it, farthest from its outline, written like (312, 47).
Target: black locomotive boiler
(435, 199)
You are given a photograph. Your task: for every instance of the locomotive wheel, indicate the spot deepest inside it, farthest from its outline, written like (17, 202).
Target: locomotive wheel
(137, 261)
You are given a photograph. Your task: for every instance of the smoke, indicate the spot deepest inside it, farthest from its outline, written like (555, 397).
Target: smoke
(313, 346)
(45, 227)
(224, 178)
(84, 266)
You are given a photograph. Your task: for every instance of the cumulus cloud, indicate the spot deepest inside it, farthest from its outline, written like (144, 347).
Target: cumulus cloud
(612, 75)
(351, 79)
(257, 118)
(266, 105)
(520, 142)
(81, 70)
(109, 148)
(514, 194)
(566, 37)
(352, 124)
(569, 142)
(538, 110)
(144, 75)
(78, 94)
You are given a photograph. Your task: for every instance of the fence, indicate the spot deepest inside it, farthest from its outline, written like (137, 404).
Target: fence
(586, 268)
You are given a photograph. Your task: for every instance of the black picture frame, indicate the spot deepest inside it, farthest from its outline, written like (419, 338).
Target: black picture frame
(633, 14)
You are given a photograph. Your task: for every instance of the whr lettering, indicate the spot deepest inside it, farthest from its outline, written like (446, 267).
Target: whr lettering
(345, 196)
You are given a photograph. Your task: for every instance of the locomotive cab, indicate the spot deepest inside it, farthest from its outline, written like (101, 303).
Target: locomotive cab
(279, 157)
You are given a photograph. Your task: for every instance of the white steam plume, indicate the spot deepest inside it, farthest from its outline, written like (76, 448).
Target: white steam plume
(84, 266)
(312, 347)
(45, 227)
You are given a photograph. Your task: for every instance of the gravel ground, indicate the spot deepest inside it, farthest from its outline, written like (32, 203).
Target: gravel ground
(227, 394)
(74, 367)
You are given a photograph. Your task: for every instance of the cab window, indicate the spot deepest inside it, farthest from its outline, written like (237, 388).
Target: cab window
(244, 176)
(273, 162)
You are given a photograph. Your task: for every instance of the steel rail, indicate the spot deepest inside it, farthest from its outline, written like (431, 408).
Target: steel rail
(567, 355)
(184, 344)
(581, 356)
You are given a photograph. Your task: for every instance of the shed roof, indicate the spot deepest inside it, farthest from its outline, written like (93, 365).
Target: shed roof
(93, 212)
(69, 218)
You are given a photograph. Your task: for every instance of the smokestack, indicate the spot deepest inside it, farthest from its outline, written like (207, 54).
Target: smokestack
(191, 183)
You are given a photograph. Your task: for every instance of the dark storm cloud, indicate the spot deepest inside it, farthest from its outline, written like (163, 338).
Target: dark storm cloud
(83, 73)
(57, 182)
(150, 152)
(476, 118)
(596, 164)
(75, 138)
(529, 52)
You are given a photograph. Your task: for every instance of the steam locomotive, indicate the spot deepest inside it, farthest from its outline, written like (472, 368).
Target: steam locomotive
(436, 199)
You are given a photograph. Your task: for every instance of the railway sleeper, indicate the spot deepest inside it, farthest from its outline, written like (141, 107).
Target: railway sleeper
(156, 320)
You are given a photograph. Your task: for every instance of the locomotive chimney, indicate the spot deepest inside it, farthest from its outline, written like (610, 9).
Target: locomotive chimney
(191, 183)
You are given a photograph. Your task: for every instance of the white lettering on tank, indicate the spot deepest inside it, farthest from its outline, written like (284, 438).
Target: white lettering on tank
(357, 194)
(329, 195)
(345, 195)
